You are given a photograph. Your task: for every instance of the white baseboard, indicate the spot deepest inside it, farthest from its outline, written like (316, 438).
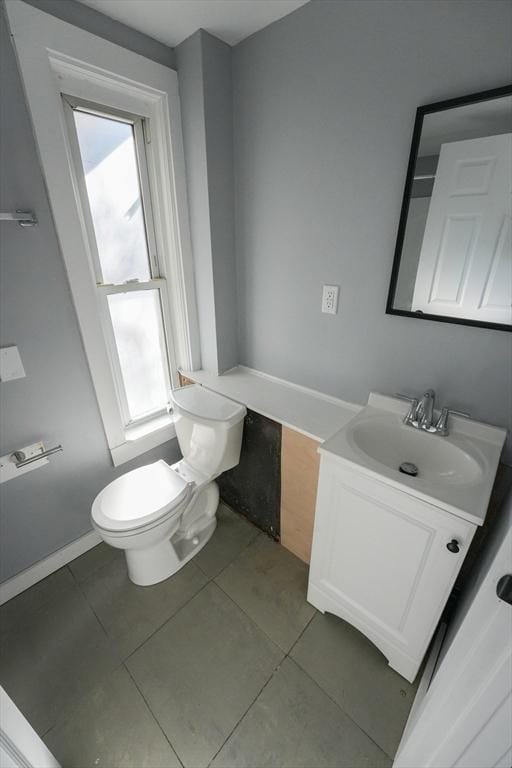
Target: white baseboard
(43, 568)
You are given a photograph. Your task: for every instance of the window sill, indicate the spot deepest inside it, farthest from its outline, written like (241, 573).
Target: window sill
(143, 438)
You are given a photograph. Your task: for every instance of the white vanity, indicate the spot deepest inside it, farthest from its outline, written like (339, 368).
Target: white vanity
(387, 547)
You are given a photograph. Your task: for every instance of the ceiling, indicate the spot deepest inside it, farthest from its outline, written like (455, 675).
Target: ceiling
(171, 21)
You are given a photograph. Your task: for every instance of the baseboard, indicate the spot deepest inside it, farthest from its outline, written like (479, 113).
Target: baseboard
(25, 579)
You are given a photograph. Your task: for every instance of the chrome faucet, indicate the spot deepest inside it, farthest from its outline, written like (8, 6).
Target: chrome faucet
(421, 414)
(425, 411)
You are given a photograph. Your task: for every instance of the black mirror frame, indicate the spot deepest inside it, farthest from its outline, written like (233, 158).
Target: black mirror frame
(426, 109)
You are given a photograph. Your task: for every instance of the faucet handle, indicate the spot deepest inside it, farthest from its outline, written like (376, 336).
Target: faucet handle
(412, 414)
(442, 422)
(459, 413)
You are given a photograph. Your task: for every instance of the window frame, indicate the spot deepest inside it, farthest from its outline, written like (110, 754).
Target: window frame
(156, 280)
(57, 58)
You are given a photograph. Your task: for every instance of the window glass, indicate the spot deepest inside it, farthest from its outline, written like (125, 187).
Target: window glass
(109, 159)
(137, 323)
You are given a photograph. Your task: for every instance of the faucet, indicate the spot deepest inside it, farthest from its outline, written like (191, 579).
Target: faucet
(425, 411)
(421, 414)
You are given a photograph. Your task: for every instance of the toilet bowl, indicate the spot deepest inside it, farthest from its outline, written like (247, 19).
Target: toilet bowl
(162, 515)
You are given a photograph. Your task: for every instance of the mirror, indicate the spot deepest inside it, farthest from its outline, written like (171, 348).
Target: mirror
(453, 257)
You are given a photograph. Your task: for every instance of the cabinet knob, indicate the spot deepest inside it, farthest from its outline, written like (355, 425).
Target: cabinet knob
(504, 588)
(453, 546)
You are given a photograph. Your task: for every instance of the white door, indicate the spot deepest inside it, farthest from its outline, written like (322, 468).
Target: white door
(465, 264)
(20, 746)
(465, 718)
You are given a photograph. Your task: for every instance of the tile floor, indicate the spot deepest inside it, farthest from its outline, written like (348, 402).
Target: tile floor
(224, 664)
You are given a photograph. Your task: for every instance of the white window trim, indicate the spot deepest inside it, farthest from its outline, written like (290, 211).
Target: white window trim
(55, 58)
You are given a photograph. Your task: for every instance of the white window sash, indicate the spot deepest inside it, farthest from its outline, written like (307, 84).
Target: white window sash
(136, 121)
(57, 58)
(104, 291)
(156, 282)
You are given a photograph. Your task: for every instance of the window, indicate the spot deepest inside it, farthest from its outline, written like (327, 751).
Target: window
(108, 128)
(110, 163)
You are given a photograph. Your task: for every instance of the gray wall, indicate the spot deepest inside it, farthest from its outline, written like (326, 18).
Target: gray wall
(49, 507)
(218, 99)
(93, 21)
(190, 74)
(324, 105)
(411, 249)
(204, 70)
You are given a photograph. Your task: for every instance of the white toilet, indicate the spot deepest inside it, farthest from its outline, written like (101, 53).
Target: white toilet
(162, 515)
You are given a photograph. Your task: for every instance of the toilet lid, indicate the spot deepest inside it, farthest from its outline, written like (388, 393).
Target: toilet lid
(139, 497)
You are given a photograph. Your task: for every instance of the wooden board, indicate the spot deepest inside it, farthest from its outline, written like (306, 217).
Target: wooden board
(300, 463)
(184, 382)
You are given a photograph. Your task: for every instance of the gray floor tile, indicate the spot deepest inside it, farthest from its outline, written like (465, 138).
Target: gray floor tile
(130, 614)
(270, 584)
(357, 676)
(95, 558)
(294, 724)
(232, 535)
(200, 672)
(15, 611)
(53, 656)
(111, 727)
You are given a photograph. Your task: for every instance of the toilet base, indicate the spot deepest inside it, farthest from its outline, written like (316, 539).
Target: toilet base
(154, 564)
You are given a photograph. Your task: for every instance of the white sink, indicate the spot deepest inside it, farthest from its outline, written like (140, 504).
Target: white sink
(386, 439)
(455, 472)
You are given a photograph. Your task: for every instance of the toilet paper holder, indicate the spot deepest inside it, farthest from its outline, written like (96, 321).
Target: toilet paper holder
(21, 460)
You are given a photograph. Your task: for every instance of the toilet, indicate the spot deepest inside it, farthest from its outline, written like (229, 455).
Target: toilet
(162, 515)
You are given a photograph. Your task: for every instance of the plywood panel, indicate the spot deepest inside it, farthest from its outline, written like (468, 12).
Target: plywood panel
(300, 463)
(184, 381)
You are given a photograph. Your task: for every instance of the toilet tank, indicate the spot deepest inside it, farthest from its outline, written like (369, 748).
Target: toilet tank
(209, 429)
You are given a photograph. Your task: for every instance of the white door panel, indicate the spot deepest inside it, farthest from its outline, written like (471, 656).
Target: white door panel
(20, 746)
(465, 718)
(465, 264)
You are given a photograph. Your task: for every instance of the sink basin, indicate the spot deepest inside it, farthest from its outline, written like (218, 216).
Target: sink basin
(455, 472)
(386, 439)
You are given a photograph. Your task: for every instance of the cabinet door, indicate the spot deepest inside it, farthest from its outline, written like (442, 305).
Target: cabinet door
(380, 559)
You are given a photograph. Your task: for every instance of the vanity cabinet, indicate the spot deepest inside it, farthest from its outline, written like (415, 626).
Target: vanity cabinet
(383, 560)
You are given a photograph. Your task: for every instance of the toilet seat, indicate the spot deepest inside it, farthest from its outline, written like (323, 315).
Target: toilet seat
(140, 498)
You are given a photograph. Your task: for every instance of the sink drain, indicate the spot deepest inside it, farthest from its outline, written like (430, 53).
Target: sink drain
(407, 468)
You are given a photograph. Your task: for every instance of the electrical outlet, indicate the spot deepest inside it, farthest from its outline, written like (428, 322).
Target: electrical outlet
(330, 299)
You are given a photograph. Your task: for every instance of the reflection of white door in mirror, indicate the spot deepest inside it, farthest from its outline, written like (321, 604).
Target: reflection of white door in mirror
(465, 265)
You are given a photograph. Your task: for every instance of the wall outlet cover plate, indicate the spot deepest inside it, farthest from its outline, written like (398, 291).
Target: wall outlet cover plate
(330, 295)
(11, 366)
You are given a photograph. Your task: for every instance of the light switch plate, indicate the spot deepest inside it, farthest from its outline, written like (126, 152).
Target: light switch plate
(11, 366)
(330, 299)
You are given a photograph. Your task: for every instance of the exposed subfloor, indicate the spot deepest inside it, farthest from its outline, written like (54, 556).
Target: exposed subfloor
(224, 664)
